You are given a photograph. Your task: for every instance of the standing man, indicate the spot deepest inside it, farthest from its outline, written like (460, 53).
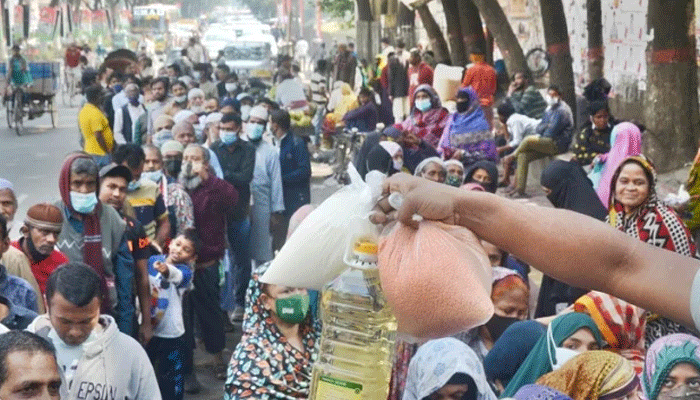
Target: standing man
(525, 98)
(296, 171)
(237, 158)
(94, 126)
(28, 361)
(345, 65)
(93, 233)
(419, 73)
(222, 75)
(126, 117)
(13, 289)
(42, 227)
(159, 92)
(196, 52)
(482, 77)
(183, 132)
(266, 188)
(397, 80)
(213, 199)
(97, 360)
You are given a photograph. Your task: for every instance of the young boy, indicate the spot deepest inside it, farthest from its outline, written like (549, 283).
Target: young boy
(169, 277)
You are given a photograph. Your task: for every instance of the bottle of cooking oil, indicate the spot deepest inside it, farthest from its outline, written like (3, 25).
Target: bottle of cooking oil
(359, 329)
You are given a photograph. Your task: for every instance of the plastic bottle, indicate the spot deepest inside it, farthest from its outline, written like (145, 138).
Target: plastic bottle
(359, 330)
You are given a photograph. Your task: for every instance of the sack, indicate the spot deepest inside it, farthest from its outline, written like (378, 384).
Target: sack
(437, 279)
(313, 255)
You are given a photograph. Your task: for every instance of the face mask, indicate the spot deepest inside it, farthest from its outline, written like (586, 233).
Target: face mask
(681, 392)
(198, 129)
(231, 87)
(197, 75)
(134, 101)
(462, 106)
(117, 88)
(133, 185)
(561, 354)
(36, 255)
(497, 325)
(181, 99)
(228, 137)
(197, 109)
(172, 167)
(161, 137)
(551, 100)
(423, 105)
(255, 131)
(292, 309)
(453, 180)
(245, 112)
(154, 176)
(83, 203)
(398, 164)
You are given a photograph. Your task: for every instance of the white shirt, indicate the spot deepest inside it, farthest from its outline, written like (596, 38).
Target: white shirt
(289, 91)
(520, 126)
(135, 112)
(69, 356)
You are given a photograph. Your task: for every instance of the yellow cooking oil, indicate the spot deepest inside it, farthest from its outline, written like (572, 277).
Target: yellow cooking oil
(359, 330)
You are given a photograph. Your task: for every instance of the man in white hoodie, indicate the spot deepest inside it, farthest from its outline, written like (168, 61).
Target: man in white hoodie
(94, 358)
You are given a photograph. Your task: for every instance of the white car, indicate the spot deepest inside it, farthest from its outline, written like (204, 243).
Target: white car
(215, 41)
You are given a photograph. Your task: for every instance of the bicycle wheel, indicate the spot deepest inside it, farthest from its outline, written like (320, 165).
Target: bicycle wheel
(18, 112)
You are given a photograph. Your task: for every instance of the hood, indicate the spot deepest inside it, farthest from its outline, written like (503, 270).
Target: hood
(42, 326)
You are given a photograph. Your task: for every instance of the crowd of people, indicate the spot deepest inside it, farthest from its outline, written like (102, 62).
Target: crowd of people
(187, 182)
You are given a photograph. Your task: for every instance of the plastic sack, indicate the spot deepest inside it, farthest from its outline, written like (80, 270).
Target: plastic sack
(437, 279)
(313, 255)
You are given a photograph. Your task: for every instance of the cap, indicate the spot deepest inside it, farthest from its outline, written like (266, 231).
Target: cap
(172, 146)
(214, 117)
(44, 216)
(259, 112)
(244, 95)
(5, 184)
(113, 169)
(182, 115)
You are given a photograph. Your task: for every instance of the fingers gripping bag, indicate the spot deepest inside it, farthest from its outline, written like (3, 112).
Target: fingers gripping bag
(437, 279)
(313, 255)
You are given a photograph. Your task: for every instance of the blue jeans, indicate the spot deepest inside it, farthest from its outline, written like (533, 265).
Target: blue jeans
(101, 161)
(168, 359)
(239, 270)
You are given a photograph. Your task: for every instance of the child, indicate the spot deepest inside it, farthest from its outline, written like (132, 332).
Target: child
(169, 278)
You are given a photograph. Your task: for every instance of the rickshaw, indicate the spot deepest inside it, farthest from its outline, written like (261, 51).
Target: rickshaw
(34, 99)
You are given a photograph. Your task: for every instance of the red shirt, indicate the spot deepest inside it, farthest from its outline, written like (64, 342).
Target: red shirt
(418, 75)
(482, 77)
(73, 57)
(43, 269)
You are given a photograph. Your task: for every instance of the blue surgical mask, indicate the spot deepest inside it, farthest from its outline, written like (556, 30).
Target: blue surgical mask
(228, 137)
(133, 185)
(117, 88)
(255, 131)
(83, 203)
(154, 176)
(423, 104)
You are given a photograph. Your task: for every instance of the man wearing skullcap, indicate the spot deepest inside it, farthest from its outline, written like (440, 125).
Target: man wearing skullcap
(14, 290)
(40, 232)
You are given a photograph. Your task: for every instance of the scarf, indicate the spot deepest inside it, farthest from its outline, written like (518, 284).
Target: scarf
(428, 125)
(487, 166)
(625, 141)
(537, 362)
(539, 392)
(595, 374)
(511, 349)
(571, 189)
(264, 364)
(436, 362)
(663, 355)
(469, 131)
(92, 233)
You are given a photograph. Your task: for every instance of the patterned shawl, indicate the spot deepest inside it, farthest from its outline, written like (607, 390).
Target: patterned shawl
(264, 364)
(663, 355)
(594, 374)
(469, 131)
(427, 125)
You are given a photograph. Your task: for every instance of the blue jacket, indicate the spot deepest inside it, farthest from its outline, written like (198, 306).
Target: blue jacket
(296, 173)
(557, 126)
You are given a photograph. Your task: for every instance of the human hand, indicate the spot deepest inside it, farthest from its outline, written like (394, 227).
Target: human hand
(145, 332)
(161, 267)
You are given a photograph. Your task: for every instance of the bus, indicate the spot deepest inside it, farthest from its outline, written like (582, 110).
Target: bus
(154, 20)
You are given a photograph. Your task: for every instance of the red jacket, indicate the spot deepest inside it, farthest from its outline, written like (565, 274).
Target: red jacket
(482, 77)
(418, 75)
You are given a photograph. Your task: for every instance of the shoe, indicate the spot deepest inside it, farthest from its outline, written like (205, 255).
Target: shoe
(220, 371)
(192, 385)
(237, 314)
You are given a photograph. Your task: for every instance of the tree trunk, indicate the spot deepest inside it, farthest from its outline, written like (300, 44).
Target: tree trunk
(671, 103)
(498, 25)
(363, 37)
(556, 35)
(458, 52)
(596, 61)
(472, 30)
(437, 40)
(407, 22)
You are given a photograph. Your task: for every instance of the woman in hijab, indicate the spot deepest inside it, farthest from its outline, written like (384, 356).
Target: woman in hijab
(386, 157)
(467, 136)
(364, 118)
(446, 369)
(594, 138)
(567, 187)
(573, 331)
(635, 210)
(428, 116)
(672, 369)
(539, 392)
(625, 141)
(595, 375)
(485, 173)
(432, 169)
(455, 173)
(621, 324)
(275, 356)
(510, 351)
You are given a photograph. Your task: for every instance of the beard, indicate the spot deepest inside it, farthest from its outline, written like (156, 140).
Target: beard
(189, 179)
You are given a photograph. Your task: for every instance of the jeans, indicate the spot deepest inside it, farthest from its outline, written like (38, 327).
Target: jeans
(101, 161)
(239, 270)
(167, 357)
(532, 148)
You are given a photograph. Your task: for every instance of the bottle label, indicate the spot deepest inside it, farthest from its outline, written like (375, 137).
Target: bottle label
(338, 389)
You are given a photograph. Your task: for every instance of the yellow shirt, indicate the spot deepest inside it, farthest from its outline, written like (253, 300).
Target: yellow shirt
(91, 120)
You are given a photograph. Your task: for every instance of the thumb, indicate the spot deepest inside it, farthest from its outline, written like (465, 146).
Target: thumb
(410, 207)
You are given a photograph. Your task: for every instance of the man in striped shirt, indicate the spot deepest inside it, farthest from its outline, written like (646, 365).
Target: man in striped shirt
(525, 98)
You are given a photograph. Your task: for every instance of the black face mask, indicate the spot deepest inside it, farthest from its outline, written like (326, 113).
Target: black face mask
(172, 167)
(36, 255)
(497, 325)
(462, 106)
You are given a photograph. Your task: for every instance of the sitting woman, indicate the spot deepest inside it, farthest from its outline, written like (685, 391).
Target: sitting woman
(431, 169)
(672, 369)
(467, 136)
(275, 356)
(455, 173)
(594, 139)
(636, 210)
(595, 375)
(626, 141)
(573, 331)
(446, 369)
(485, 173)
(364, 118)
(428, 117)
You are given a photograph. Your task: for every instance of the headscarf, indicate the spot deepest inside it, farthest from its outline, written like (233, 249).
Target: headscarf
(436, 362)
(379, 159)
(469, 131)
(593, 375)
(428, 125)
(652, 222)
(539, 392)
(571, 189)
(505, 280)
(663, 355)
(5, 184)
(537, 362)
(92, 232)
(511, 349)
(264, 364)
(391, 147)
(621, 324)
(487, 166)
(424, 163)
(625, 141)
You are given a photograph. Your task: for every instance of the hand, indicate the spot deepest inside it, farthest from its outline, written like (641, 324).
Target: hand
(161, 267)
(511, 88)
(145, 332)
